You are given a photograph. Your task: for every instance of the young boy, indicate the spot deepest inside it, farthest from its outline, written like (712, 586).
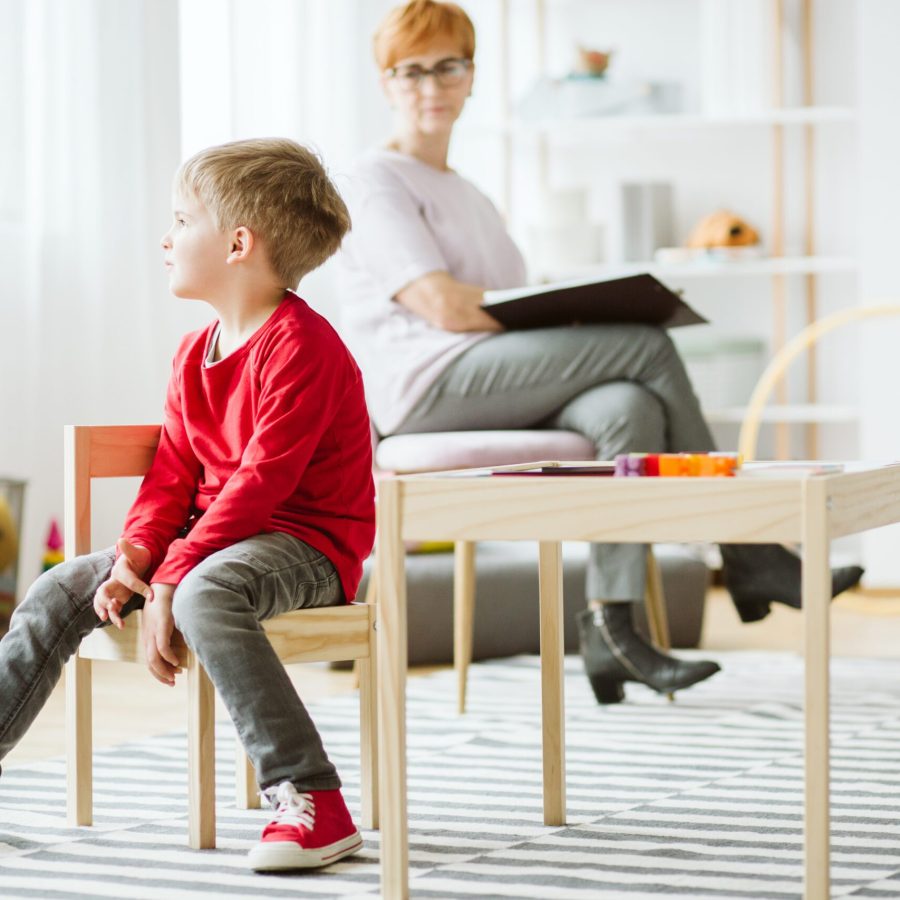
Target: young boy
(260, 497)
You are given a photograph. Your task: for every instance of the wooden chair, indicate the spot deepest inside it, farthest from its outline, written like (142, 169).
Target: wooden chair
(407, 454)
(327, 634)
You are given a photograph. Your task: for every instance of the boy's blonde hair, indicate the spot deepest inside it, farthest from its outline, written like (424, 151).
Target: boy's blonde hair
(409, 29)
(280, 191)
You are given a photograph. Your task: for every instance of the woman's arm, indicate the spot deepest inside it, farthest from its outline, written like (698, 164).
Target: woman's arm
(447, 303)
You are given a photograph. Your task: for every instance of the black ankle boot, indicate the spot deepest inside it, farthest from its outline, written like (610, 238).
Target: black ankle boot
(614, 653)
(758, 575)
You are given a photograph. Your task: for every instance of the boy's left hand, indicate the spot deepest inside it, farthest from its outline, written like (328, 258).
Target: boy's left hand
(157, 625)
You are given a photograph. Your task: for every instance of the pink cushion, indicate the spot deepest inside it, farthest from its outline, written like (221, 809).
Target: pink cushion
(467, 449)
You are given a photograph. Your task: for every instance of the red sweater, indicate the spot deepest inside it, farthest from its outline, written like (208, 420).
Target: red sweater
(274, 437)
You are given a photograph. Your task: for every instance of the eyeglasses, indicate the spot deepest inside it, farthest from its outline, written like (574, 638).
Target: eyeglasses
(447, 73)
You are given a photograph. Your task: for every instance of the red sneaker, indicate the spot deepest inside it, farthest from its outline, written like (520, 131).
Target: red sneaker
(309, 830)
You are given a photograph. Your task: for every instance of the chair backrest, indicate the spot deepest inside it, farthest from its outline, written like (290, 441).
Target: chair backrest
(106, 451)
(100, 451)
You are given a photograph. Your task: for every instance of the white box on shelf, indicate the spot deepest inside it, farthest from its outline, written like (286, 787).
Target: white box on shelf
(723, 369)
(561, 247)
(561, 235)
(647, 219)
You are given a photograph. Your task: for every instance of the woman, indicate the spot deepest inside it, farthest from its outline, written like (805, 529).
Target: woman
(424, 246)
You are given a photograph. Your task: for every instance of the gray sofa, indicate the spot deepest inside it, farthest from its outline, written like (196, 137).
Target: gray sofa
(506, 604)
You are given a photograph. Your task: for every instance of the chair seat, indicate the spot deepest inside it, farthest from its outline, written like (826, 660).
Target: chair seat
(437, 450)
(319, 634)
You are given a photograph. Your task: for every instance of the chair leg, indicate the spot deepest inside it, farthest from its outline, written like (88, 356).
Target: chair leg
(79, 749)
(655, 603)
(368, 739)
(371, 598)
(463, 615)
(246, 788)
(201, 757)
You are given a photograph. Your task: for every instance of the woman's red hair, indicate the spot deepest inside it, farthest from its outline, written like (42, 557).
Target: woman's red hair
(410, 29)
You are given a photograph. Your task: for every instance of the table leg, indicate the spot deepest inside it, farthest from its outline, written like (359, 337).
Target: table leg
(552, 693)
(390, 564)
(463, 616)
(816, 611)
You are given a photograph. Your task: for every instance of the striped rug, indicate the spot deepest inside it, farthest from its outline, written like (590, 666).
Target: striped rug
(696, 799)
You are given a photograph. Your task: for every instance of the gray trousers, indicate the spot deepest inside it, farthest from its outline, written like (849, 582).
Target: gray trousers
(622, 386)
(218, 608)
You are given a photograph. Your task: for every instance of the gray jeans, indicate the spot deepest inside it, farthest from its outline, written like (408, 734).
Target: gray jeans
(622, 386)
(218, 608)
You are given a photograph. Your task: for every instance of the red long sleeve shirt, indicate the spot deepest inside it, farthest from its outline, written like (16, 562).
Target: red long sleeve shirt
(274, 437)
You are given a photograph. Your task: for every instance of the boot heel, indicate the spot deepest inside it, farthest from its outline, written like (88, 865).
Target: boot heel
(607, 690)
(752, 611)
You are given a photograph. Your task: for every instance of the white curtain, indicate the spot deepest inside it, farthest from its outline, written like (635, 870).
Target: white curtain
(89, 146)
(301, 69)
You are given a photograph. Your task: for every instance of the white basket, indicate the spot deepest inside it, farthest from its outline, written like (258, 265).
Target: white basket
(723, 370)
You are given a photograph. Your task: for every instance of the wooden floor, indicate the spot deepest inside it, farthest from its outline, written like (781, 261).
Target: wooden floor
(129, 704)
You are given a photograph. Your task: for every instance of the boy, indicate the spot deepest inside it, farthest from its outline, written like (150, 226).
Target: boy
(260, 497)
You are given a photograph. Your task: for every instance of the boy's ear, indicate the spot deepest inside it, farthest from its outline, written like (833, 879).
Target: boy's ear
(241, 244)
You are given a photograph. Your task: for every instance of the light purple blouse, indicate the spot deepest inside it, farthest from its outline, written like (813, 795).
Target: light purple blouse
(410, 219)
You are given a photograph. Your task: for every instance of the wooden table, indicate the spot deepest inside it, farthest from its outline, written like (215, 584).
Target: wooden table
(790, 506)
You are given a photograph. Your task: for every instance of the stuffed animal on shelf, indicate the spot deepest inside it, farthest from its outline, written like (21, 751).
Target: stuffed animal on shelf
(722, 229)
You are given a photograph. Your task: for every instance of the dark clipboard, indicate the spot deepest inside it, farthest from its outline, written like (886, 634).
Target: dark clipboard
(633, 298)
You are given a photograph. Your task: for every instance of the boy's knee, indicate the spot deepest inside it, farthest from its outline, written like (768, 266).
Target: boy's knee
(51, 580)
(61, 593)
(72, 582)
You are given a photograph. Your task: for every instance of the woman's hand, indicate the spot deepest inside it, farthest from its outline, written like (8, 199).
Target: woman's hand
(447, 303)
(157, 626)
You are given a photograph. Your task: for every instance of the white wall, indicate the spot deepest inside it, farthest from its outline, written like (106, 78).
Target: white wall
(879, 24)
(87, 323)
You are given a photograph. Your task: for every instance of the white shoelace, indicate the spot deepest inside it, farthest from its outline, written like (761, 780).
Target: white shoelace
(293, 807)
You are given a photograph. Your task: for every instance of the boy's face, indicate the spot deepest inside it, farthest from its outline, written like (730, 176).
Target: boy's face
(196, 251)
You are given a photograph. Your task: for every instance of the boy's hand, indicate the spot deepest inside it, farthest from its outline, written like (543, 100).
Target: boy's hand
(157, 626)
(124, 580)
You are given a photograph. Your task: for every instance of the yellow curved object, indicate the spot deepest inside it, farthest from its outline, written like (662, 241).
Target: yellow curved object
(9, 536)
(779, 363)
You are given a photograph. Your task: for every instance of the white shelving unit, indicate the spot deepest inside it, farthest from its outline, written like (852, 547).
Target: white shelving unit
(574, 128)
(805, 413)
(712, 268)
(801, 270)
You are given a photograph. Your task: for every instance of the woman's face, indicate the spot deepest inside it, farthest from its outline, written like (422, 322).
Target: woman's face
(428, 90)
